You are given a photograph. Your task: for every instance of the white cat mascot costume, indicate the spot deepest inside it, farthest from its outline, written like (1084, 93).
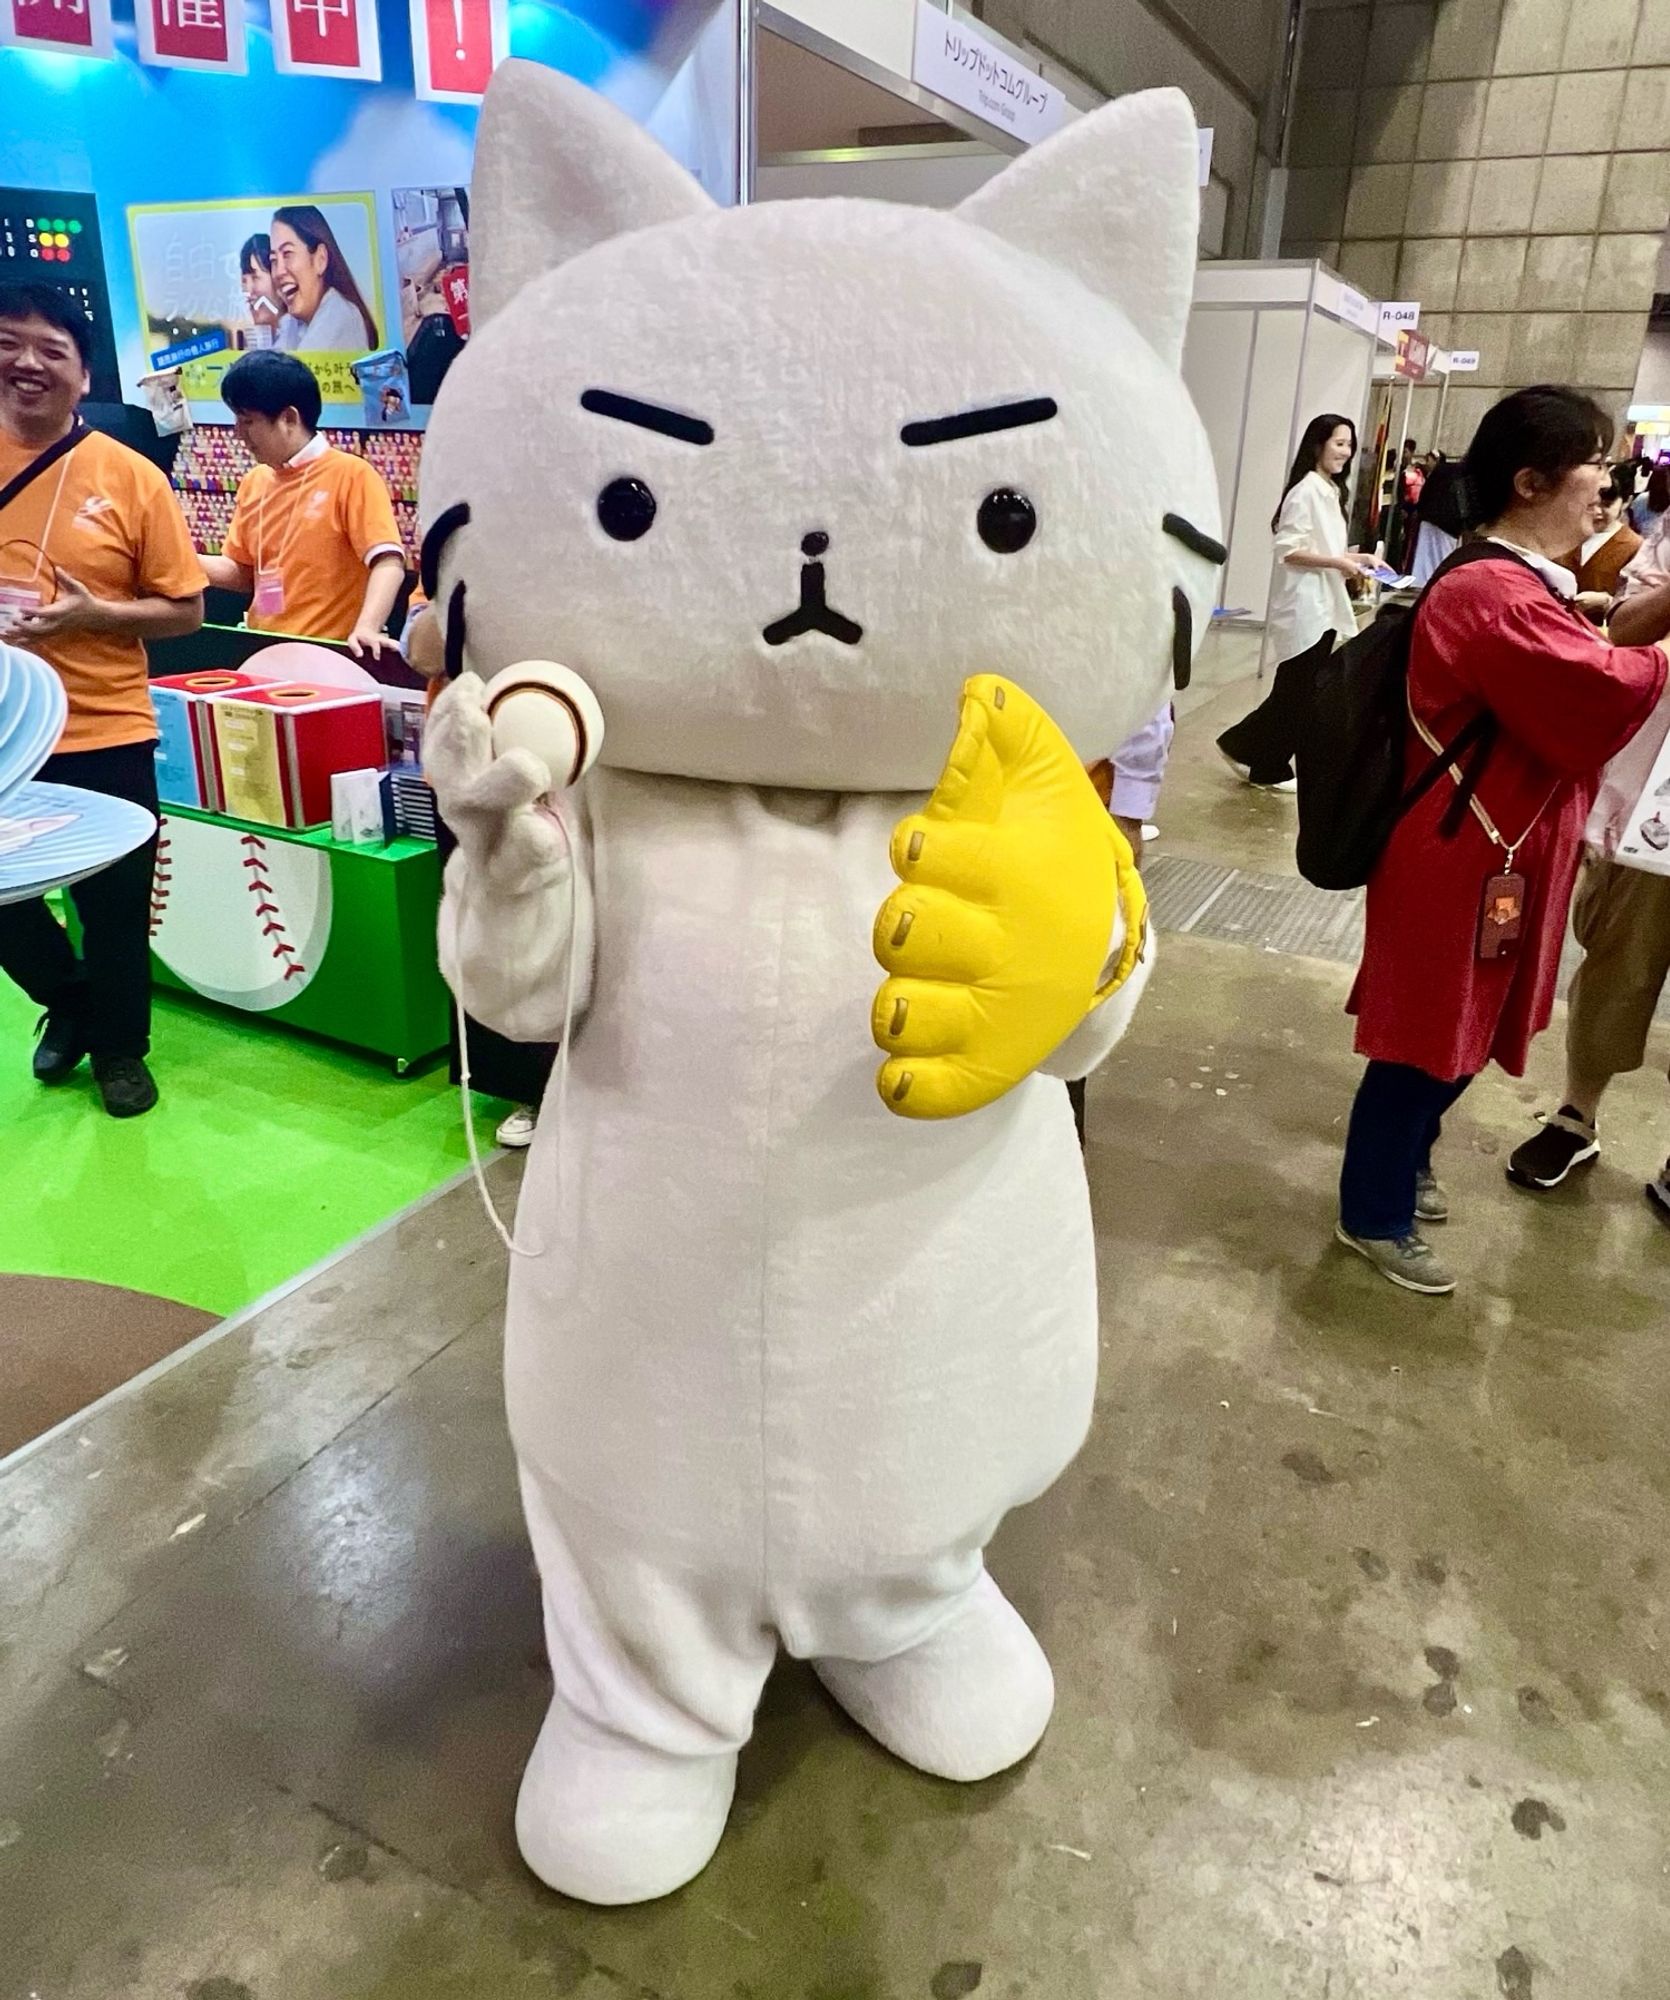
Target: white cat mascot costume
(776, 481)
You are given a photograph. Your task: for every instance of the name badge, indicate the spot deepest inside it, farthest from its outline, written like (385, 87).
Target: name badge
(269, 592)
(1501, 915)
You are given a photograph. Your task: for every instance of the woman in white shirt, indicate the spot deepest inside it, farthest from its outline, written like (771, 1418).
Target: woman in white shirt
(1308, 598)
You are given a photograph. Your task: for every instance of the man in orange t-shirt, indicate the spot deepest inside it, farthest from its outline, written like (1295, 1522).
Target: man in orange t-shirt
(313, 541)
(95, 559)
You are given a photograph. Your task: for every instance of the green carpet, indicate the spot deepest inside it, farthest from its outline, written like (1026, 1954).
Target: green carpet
(268, 1151)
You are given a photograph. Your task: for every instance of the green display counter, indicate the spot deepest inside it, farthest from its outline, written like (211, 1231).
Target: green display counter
(303, 930)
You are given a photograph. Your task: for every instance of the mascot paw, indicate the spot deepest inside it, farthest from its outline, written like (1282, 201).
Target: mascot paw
(608, 1820)
(1013, 878)
(968, 1702)
(489, 801)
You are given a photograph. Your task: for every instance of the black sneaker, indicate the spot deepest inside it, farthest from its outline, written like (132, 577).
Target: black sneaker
(1658, 1193)
(60, 1046)
(125, 1084)
(1566, 1140)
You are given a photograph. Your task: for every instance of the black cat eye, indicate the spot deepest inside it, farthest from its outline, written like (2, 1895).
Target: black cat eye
(1007, 521)
(626, 509)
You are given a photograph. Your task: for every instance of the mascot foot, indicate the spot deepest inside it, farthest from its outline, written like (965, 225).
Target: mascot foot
(608, 1820)
(970, 1700)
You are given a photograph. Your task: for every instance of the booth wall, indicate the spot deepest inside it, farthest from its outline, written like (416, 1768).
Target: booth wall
(919, 175)
(1242, 377)
(884, 31)
(1337, 373)
(140, 136)
(1216, 358)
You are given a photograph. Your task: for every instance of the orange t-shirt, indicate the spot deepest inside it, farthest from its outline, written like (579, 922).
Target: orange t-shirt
(318, 524)
(116, 527)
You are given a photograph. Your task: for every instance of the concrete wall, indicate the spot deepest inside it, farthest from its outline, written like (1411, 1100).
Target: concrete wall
(1226, 56)
(1507, 163)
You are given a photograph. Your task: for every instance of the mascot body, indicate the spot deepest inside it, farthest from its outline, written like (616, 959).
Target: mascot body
(776, 483)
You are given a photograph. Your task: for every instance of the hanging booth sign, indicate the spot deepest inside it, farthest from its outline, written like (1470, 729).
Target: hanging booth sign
(1396, 315)
(1414, 351)
(192, 34)
(1464, 360)
(456, 46)
(327, 38)
(958, 63)
(67, 27)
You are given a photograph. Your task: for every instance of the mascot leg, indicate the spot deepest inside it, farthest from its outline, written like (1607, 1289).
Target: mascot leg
(655, 1686)
(966, 1700)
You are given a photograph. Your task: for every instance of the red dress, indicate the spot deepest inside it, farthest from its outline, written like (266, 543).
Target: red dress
(1492, 634)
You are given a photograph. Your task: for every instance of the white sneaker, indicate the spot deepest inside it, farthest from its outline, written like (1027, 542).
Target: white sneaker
(516, 1132)
(1150, 833)
(1244, 773)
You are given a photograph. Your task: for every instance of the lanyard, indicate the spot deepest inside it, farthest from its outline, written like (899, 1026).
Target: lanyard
(301, 485)
(41, 555)
(1492, 832)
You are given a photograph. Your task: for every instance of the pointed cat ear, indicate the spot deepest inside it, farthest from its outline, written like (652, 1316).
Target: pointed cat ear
(558, 169)
(1114, 200)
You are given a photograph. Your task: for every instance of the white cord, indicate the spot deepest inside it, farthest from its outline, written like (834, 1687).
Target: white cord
(493, 1216)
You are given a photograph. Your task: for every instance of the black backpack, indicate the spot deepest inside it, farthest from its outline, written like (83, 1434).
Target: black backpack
(1350, 723)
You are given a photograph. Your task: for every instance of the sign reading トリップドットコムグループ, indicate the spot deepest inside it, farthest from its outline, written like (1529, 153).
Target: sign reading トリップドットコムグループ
(959, 64)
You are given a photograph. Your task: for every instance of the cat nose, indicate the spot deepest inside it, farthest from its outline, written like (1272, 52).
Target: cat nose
(814, 545)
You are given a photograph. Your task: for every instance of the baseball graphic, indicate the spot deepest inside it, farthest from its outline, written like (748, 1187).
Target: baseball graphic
(237, 915)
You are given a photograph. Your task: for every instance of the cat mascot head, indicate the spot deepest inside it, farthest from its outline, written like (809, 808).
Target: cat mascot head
(776, 480)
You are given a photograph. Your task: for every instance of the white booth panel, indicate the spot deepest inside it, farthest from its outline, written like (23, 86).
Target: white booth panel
(1266, 451)
(1338, 367)
(1232, 282)
(882, 30)
(1216, 356)
(926, 176)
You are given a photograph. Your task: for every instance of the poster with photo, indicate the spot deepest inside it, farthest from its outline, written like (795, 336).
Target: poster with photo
(432, 254)
(217, 278)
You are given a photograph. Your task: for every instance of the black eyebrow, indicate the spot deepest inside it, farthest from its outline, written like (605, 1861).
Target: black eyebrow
(1195, 539)
(441, 531)
(982, 422)
(647, 416)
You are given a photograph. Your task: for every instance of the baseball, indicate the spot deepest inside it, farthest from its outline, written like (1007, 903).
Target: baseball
(539, 706)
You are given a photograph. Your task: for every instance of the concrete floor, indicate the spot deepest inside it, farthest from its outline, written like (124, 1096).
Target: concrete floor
(1356, 1604)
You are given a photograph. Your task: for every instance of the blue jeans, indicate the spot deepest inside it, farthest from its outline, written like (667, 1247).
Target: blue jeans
(1395, 1123)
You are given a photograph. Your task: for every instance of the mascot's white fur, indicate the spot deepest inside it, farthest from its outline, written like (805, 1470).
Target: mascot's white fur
(785, 1361)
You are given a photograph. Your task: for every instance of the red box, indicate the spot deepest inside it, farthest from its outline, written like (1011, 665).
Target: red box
(278, 745)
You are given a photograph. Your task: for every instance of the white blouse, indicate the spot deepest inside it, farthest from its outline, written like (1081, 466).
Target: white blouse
(1305, 603)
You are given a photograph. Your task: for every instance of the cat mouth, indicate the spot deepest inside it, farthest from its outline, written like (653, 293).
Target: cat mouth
(814, 613)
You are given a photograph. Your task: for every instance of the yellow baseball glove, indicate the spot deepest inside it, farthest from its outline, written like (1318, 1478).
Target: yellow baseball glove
(996, 945)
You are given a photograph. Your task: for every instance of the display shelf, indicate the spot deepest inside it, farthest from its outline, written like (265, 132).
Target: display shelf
(213, 460)
(303, 929)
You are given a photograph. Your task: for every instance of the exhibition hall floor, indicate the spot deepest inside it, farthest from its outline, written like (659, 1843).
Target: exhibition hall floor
(1356, 1601)
(121, 1239)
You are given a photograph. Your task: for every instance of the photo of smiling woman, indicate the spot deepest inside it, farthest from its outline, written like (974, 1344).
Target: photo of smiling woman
(324, 310)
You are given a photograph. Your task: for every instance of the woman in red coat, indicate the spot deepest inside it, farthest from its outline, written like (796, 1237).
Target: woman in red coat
(1463, 933)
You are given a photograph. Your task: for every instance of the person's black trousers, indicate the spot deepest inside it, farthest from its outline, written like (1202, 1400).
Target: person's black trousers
(1395, 1124)
(1264, 740)
(109, 986)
